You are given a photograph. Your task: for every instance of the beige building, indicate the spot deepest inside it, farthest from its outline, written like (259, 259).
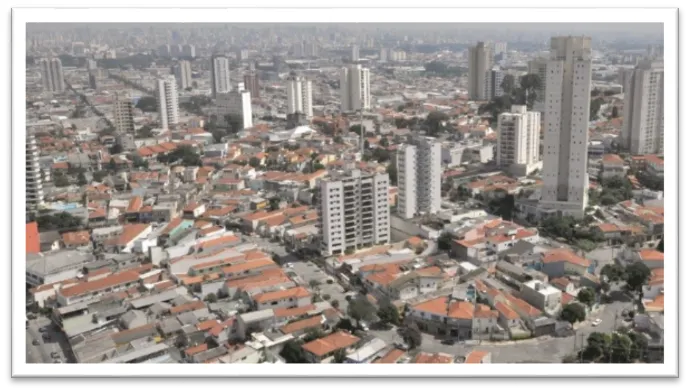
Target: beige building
(480, 61)
(518, 140)
(643, 109)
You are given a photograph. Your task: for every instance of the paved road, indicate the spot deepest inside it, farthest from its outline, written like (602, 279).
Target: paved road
(543, 349)
(603, 256)
(42, 352)
(308, 271)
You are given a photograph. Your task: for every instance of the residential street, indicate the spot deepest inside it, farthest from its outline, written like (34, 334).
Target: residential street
(543, 349)
(42, 352)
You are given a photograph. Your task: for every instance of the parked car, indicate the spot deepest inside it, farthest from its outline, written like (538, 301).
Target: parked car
(35, 342)
(43, 329)
(596, 322)
(55, 355)
(57, 361)
(448, 342)
(402, 346)
(290, 265)
(46, 337)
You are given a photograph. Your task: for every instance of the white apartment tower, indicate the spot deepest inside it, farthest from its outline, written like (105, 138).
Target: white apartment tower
(354, 89)
(492, 83)
(168, 107)
(568, 81)
(34, 184)
(354, 211)
(52, 78)
(419, 177)
(237, 103)
(355, 53)
(220, 75)
(480, 62)
(643, 109)
(300, 97)
(183, 74)
(123, 114)
(518, 140)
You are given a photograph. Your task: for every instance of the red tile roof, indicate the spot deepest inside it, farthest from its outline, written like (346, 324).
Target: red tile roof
(331, 343)
(33, 241)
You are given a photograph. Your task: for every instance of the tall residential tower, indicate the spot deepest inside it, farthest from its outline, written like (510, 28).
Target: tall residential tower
(480, 61)
(643, 110)
(354, 88)
(168, 108)
(419, 177)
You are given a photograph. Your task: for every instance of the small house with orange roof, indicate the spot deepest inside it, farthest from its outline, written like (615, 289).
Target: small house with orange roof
(560, 262)
(321, 350)
(612, 165)
(444, 316)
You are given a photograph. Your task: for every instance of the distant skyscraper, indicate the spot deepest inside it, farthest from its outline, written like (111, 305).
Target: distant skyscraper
(500, 48)
(78, 49)
(643, 110)
(419, 177)
(34, 183)
(237, 104)
(354, 88)
(355, 53)
(493, 80)
(220, 75)
(518, 140)
(168, 107)
(300, 97)
(383, 55)
(183, 74)
(251, 82)
(52, 77)
(123, 114)
(568, 82)
(480, 62)
(189, 50)
(242, 55)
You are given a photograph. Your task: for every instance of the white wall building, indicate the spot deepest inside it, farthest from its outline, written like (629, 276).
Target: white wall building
(518, 140)
(492, 83)
(355, 53)
(354, 211)
(52, 78)
(354, 88)
(183, 74)
(300, 97)
(236, 103)
(34, 183)
(220, 75)
(419, 177)
(168, 107)
(568, 80)
(643, 110)
(480, 62)
(123, 114)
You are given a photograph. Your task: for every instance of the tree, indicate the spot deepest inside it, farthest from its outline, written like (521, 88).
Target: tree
(338, 140)
(145, 132)
(392, 171)
(573, 312)
(637, 275)
(138, 162)
(621, 348)
(613, 273)
(388, 313)
(116, 149)
(314, 284)
(292, 352)
(586, 296)
(317, 166)
(147, 104)
(313, 334)
(638, 350)
(597, 346)
(346, 324)
(384, 142)
(445, 241)
(411, 335)
(335, 303)
(218, 135)
(99, 175)
(595, 105)
(254, 162)
(367, 145)
(81, 179)
(274, 203)
(340, 356)
(61, 180)
(660, 247)
(508, 84)
(530, 84)
(62, 220)
(434, 121)
(361, 309)
(211, 298)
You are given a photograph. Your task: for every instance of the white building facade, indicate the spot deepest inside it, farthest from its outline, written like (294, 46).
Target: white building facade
(168, 107)
(354, 211)
(354, 88)
(492, 83)
(300, 97)
(568, 81)
(419, 177)
(183, 74)
(643, 109)
(34, 183)
(220, 75)
(518, 140)
(52, 77)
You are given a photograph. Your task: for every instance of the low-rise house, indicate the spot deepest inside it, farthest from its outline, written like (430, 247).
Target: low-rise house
(290, 298)
(612, 165)
(367, 352)
(444, 317)
(560, 262)
(87, 290)
(655, 284)
(323, 349)
(652, 258)
(257, 321)
(433, 358)
(393, 356)
(543, 296)
(300, 327)
(76, 239)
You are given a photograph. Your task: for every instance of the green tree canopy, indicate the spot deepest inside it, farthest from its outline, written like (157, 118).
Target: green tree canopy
(637, 275)
(388, 313)
(573, 312)
(361, 309)
(445, 241)
(412, 335)
(586, 296)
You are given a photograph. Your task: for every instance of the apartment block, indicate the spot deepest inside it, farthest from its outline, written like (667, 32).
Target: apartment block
(168, 107)
(354, 88)
(643, 109)
(480, 62)
(419, 177)
(518, 140)
(300, 97)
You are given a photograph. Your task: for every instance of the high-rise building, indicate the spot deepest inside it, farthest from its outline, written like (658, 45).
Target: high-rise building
(492, 83)
(34, 184)
(243, 54)
(52, 77)
(518, 140)
(78, 49)
(123, 114)
(251, 82)
(383, 55)
(183, 74)
(220, 75)
(568, 83)
(500, 47)
(419, 177)
(480, 61)
(354, 88)
(354, 56)
(538, 67)
(168, 108)
(93, 82)
(189, 50)
(236, 104)
(300, 97)
(311, 49)
(354, 211)
(643, 109)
